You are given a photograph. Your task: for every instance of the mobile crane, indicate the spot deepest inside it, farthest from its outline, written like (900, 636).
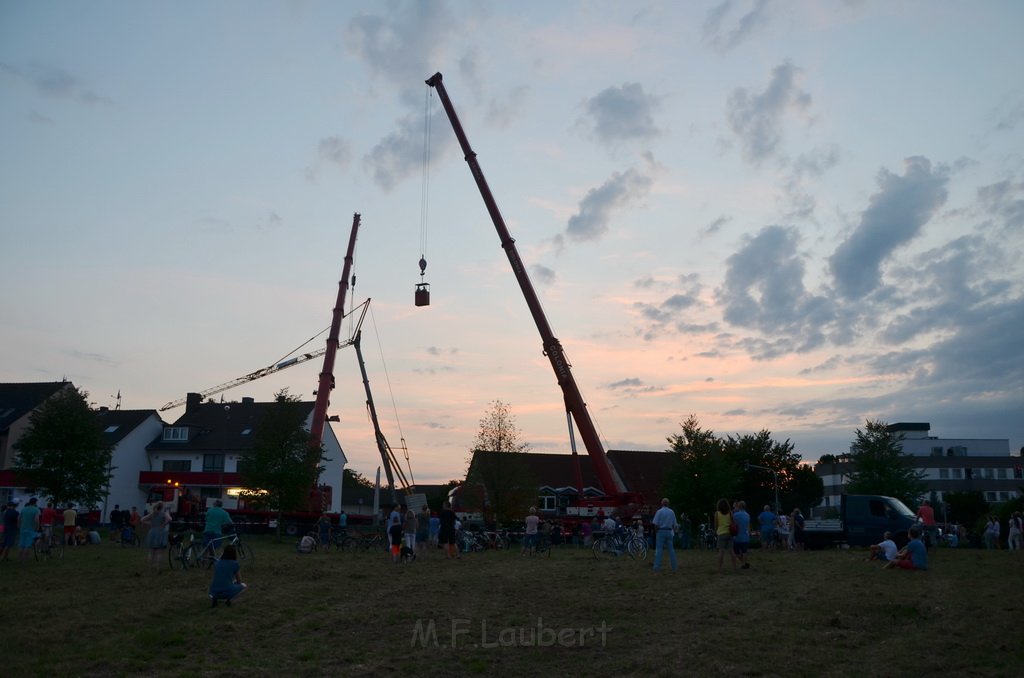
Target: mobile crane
(576, 409)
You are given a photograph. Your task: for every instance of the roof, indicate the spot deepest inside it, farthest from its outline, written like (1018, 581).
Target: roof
(643, 472)
(17, 400)
(909, 426)
(116, 424)
(220, 427)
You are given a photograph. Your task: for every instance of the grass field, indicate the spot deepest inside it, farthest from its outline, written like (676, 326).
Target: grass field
(99, 611)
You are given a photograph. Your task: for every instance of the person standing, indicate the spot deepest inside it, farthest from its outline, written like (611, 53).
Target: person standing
(532, 522)
(28, 524)
(926, 514)
(766, 519)
(47, 519)
(422, 530)
(159, 521)
(783, 533)
(395, 533)
(796, 534)
(216, 520)
(134, 518)
(741, 542)
(446, 530)
(11, 517)
(992, 531)
(1016, 531)
(227, 578)
(723, 523)
(665, 525)
(435, 529)
(409, 529)
(70, 519)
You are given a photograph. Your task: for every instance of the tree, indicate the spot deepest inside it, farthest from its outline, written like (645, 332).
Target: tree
(701, 473)
(497, 467)
(767, 462)
(62, 453)
(283, 465)
(354, 479)
(881, 467)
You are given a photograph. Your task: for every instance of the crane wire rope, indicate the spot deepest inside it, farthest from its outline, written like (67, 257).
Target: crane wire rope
(394, 406)
(425, 183)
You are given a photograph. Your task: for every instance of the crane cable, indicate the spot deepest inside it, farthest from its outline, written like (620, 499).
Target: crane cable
(425, 187)
(391, 392)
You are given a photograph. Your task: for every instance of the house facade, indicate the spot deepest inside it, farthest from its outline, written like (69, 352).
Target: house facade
(948, 465)
(201, 451)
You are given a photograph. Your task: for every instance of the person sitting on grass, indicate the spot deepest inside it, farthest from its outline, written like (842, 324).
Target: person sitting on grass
(227, 578)
(914, 556)
(307, 544)
(884, 550)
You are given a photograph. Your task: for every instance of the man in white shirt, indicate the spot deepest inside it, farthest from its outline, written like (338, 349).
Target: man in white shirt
(665, 524)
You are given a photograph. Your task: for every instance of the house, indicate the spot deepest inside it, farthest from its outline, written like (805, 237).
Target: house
(126, 433)
(17, 403)
(554, 475)
(202, 449)
(949, 465)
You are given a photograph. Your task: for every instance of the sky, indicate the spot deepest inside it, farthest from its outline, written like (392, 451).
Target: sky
(794, 216)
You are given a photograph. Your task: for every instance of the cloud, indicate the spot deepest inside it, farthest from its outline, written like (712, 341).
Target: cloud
(723, 39)
(632, 382)
(400, 154)
(92, 357)
(1008, 117)
(406, 41)
(437, 350)
(672, 312)
(542, 274)
(895, 215)
(633, 386)
(764, 290)
(622, 114)
(333, 151)
(715, 226)
(757, 118)
(501, 112)
(1004, 200)
(54, 82)
(592, 220)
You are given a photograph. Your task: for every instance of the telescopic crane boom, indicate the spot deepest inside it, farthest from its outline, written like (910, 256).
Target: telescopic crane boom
(610, 481)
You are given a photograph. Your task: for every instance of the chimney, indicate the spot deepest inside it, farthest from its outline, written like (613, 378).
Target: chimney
(192, 402)
(248, 401)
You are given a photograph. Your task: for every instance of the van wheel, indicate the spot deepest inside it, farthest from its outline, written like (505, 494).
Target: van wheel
(291, 529)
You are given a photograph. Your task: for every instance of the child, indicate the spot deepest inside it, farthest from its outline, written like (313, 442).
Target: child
(307, 544)
(914, 556)
(885, 549)
(227, 578)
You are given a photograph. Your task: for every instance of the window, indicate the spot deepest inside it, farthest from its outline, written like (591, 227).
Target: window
(111, 428)
(546, 503)
(957, 451)
(176, 433)
(988, 473)
(1001, 473)
(209, 493)
(1018, 472)
(943, 474)
(990, 496)
(246, 432)
(877, 507)
(958, 473)
(1004, 496)
(213, 462)
(177, 465)
(936, 451)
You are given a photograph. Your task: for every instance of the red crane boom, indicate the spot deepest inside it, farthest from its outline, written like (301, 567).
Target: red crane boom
(610, 481)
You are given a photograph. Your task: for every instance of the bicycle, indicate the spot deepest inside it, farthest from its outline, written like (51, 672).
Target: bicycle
(211, 553)
(708, 537)
(342, 541)
(620, 543)
(45, 547)
(181, 555)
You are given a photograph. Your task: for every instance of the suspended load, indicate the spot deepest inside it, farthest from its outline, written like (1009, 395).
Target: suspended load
(422, 288)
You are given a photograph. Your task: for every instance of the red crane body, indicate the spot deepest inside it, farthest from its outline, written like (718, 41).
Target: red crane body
(610, 481)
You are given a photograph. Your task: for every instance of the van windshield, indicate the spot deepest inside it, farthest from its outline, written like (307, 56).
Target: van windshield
(900, 507)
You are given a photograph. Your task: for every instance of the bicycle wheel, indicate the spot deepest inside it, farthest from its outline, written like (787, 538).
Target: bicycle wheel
(178, 556)
(205, 557)
(39, 549)
(56, 549)
(600, 548)
(637, 548)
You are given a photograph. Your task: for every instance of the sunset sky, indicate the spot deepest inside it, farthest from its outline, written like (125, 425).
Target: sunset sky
(791, 216)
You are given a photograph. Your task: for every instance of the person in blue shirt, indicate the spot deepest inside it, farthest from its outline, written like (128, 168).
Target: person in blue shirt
(767, 521)
(741, 542)
(914, 556)
(664, 523)
(227, 578)
(216, 520)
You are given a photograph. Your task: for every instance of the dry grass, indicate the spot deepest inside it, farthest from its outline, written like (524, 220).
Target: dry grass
(805, 614)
